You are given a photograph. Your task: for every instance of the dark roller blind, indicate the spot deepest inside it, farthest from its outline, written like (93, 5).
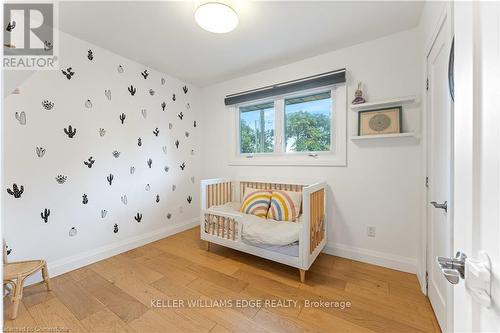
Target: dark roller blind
(309, 82)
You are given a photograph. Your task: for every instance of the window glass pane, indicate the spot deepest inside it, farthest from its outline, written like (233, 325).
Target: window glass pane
(308, 123)
(257, 128)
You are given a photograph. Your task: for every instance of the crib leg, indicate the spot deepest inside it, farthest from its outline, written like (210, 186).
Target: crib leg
(302, 275)
(208, 246)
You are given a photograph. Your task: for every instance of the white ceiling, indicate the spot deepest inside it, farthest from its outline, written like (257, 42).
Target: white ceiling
(164, 36)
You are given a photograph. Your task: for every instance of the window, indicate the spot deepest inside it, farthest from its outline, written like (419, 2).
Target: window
(304, 128)
(308, 123)
(257, 124)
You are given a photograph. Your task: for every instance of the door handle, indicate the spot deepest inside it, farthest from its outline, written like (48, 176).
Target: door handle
(444, 205)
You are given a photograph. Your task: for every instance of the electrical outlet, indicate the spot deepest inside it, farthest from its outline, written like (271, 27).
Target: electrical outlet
(370, 231)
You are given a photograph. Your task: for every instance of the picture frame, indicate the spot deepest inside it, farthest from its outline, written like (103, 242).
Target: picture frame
(388, 120)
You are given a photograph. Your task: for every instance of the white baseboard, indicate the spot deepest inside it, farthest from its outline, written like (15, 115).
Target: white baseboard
(65, 265)
(388, 260)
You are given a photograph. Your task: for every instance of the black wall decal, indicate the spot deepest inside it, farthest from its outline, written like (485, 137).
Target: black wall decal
(150, 162)
(110, 178)
(47, 105)
(45, 215)
(151, 92)
(16, 191)
(132, 90)
(70, 132)
(157, 198)
(102, 132)
(89, 162)
(21, 117)
(116, 153)
(104, 212)
(189, 199)
(40, 151)
(122, 118)
(132, 170)
(145, 74)
(107, 93)
(68, 73)
(166, 168)
(120, 69)
(177, 144)
(85, 199)
(186, 134)
(180, 115)
(163, 105)
(139, 142)
(11, 26)
(90, 55)
(182, 166)
(185, 89)
(169, 216)
(61, 179)
(194, 123)
(144, 113)
(163, 81)
(115, 228)
(72, 232)
(138, 217)
(170, 126)
(156, 131)
(88, 104)
(173, 97)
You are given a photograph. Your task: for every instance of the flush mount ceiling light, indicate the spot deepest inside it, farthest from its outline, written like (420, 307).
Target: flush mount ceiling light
(216, 17)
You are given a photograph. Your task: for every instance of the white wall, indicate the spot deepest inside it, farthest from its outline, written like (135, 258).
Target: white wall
(382, 183)
(24, 230)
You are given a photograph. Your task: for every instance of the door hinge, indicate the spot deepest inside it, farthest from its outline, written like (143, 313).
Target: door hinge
(427, 181)
(427, 85)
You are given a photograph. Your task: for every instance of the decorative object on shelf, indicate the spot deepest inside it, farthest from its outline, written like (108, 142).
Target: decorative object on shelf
(380, 121)
(358, 96)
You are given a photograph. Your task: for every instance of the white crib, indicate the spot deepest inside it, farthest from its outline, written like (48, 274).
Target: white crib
(225, 228)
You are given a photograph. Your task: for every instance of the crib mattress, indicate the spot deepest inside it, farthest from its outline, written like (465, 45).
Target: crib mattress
(291, 250)
(265, 232)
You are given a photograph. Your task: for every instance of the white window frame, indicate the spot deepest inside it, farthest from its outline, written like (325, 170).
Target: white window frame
(337, 155)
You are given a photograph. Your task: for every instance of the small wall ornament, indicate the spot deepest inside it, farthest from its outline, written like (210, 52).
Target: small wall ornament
(358, 96)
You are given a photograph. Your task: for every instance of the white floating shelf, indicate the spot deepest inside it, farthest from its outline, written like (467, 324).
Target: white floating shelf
(381, 104)
(384, 136)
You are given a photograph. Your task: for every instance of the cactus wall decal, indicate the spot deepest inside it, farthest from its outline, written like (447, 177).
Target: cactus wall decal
(194, 123)
(157, 198)
(88, 104)
(139, 142)
(70, 131)
(170, 126)
(163, 105)
(115, 228)
(102, 132)
(132, 170)
(186, 134)
(90, 55)
(169, 216)
(145, 74)
(40, 151)
(122, 118)
(116, 153)
(185, 89)
(177, 144)
(72, 232)
(138, 217)
(166, 168)
(189, 199)
(47, 105)
(85, 199)
(182, 166)
(107, 93)
(124, 199)
(132, 90)
(68, 73)
(110, 179)
(21, 117)
(156, 131)
(90, 161)
(104, 212)
(16, 191)
(45, 215)
(163, 81)
(151, 92)
(120, 69)
(180, 115)
(150, 162)
(61, 179)
(173, 97)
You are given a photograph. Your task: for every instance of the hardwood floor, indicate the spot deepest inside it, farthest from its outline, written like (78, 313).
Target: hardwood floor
(115, 295)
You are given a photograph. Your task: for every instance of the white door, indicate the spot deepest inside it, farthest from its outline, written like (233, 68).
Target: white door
(477, 156)
(439, 171)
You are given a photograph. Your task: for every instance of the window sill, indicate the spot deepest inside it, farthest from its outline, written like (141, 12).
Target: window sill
(320, 161)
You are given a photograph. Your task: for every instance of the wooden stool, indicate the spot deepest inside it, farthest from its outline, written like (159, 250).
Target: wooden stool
(14, 274)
